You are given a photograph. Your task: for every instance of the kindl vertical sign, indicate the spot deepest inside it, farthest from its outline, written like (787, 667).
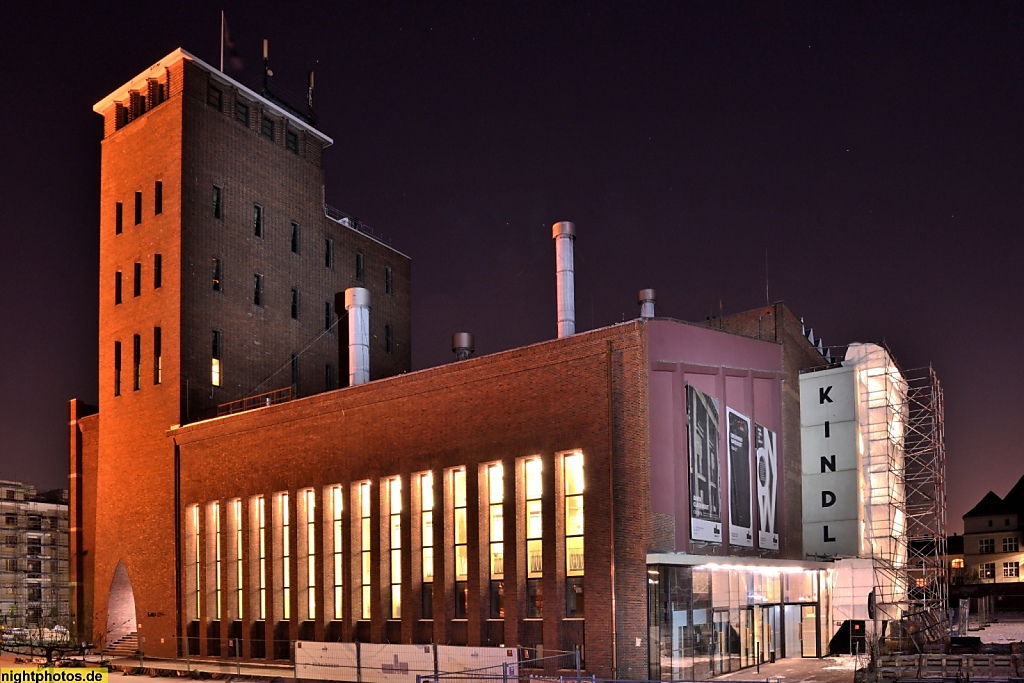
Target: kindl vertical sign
(830, 465)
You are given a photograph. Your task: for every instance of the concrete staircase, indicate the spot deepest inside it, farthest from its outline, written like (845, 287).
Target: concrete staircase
(125, 646)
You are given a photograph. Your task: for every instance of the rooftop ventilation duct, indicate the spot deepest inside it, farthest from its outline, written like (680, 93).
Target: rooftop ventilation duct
(357, 303)
(564, 233)
(462, 345)
(646, 300)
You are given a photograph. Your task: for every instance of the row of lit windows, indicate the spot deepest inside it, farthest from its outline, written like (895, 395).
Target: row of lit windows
(158, 207)
(1011, 544)
(268, 125)
(987, 570)
(136, 377)
(492, 536)
(137, 279)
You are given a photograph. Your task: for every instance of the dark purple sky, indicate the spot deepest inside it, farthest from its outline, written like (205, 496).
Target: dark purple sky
(874, 150)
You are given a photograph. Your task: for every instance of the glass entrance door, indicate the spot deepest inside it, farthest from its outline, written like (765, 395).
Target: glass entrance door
(809, 631)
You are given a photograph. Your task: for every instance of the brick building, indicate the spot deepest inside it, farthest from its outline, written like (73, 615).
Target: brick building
(587, 493)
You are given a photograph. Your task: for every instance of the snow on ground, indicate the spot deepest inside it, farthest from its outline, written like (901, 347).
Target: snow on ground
(1009, 629)
(849, 663)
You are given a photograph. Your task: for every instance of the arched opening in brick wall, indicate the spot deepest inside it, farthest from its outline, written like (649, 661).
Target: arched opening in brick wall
(120, 606)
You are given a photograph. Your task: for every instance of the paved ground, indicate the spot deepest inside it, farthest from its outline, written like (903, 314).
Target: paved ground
(828, 670)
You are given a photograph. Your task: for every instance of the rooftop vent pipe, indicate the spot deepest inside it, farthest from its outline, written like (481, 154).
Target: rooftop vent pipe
(462, 345)
(646, 300)
(357, 303)
(564, 233)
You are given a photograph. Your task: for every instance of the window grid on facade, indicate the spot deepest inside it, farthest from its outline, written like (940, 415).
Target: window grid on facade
(364, 548)
(158, 198)
(987, 570)
(138, 208)
(291, 141)
(257, 289)
(158, 360)
(137, 283)
(218, 202)
(218, 274)
(239, 557)
(242, 113)
(215, 523)
(395, 537)
(573, 483)
(534, 490)
(987, 545)
(117, 287)
(1011, 544)
(310, 542)
(460, 518)
(337, 533)
(214, 97)
(286, 567)
(158, 271)
(136, 362)
(1011, 570)
(257, 220)
(118, 218)
(261, 533)
(117, 368)
(295, 237)
(427, 541)
(197, 585)
(496, 537)
(267, 127)
(215, 353)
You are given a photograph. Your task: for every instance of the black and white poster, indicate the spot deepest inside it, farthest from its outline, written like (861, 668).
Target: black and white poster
(741, 504)
(767, 464)
(705, 497)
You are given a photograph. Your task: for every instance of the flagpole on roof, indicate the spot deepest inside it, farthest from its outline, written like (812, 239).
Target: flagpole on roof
(222, 41)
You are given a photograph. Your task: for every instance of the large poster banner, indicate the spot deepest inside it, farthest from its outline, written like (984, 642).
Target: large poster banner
(741, 508)
(767, 463)
(705, 498)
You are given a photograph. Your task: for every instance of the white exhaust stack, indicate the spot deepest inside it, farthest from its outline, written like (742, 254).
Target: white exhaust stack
(462, 345)
(564, 233)
(357, 303)
(646, 301)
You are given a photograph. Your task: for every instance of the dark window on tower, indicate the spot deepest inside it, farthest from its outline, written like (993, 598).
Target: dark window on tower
(295, 304)
(295, 374)
(327, 315)
(158, 361)
(158, 268)
(389, 339)
(117, 287)
(295, 237)
(388, 280)
(218, 275)
(329, 252)
(291, 141)
(267, 127)
(137, 285)
(242, 112)
(328, 377)
(138, 208)
(118, 218)
(136, 362)
(158, 198)
(214, 98)
(359, 266)
(257, 289)
(218, 202)
(117, 368)
(257, 220)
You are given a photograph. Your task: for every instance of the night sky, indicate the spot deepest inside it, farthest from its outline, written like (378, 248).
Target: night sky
(874, 152)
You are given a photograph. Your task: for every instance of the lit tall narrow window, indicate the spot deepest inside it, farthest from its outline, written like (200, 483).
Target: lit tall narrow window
(158, 359)
(427, 542)
(337, 534)
(286, 565)
(158, 274)
(239, 558)
(496, 535)
(215, 368)
(214, 521)
(572, 470)
(534, 538)
(461, 538)
(261, 540)
(158, 198)
(136, 362)
(137, 284)
(257, 220)
(309, 497)
(395, 537)
(218, 274)
(197, 584)
(117, 368)
(364, 547)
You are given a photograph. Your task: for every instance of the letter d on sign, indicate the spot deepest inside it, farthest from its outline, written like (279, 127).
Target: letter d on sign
(828, 499)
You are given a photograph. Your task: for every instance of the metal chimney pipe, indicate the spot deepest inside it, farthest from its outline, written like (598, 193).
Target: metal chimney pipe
(564, 233)
(357, 303)
(646, 301)
(462, 345)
